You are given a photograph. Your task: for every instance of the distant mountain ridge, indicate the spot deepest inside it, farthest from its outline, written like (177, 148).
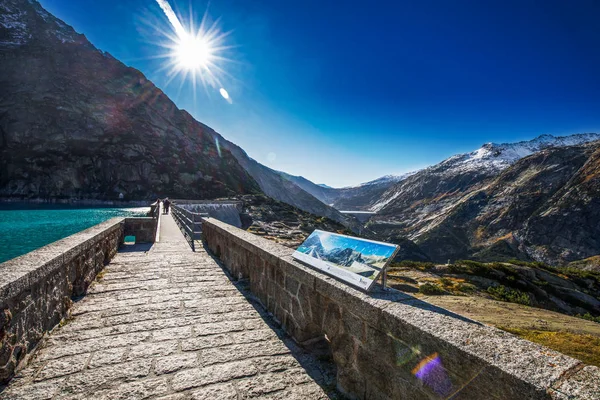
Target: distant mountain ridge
(488, 159)
(351, 198)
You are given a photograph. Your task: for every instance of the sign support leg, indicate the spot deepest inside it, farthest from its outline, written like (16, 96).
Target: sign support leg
(384, 279)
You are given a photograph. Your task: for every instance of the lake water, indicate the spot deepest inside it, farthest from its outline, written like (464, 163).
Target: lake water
(26, 227)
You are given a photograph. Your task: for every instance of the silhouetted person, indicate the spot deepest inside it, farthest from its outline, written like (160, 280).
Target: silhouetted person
(167, 204)
(156, 210)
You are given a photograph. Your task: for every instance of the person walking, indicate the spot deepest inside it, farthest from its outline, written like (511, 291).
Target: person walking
(167, 204)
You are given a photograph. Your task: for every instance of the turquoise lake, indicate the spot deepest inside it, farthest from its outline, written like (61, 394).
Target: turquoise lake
(26, 227)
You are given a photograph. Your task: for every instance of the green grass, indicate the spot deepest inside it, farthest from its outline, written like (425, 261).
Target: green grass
(584, 347)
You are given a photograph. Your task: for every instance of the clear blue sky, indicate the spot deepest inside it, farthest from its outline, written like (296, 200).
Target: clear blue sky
(343, 92)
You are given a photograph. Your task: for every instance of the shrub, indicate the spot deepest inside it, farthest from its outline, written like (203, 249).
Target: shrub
(589, 317)
(431, 289)
(469, 267)
(466, 287)
(503, 293)
(577, 273)
(420, 265)
(446, 282)
(532, 264)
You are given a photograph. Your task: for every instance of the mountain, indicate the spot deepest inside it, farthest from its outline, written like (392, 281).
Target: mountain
(486, 161)
(469, 168)
(77, 123)
(354, 198)
(274, 184)
(493, 204)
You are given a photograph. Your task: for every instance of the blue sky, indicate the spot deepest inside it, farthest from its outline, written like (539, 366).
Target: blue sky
(342, 92)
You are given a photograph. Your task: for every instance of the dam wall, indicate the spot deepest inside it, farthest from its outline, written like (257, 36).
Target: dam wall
(389, 345)
(225, 212)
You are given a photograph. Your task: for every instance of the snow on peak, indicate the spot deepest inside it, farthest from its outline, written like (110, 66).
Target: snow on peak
(12, 20)
(494, 156)
(386, 179)
(20, 22)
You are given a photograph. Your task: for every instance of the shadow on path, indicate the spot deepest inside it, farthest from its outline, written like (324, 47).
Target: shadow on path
(132, 248)
(318, 364)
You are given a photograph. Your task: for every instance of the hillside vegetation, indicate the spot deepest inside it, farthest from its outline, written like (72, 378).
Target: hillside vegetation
(556, 307)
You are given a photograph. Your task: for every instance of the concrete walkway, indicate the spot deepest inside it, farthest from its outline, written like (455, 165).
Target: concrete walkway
(167, 323)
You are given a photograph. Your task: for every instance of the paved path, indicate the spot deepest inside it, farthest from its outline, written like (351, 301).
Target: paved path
(167, 324)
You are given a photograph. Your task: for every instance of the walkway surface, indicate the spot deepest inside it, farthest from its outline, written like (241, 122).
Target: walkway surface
(167, 323)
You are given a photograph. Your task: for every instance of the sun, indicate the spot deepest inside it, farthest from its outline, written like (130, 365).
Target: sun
(193, 53)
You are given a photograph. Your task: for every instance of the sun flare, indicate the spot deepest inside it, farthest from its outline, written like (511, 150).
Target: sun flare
(194, 53)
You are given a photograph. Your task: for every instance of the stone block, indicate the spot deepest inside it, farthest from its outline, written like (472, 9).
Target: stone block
(197, 377)
(583, 384)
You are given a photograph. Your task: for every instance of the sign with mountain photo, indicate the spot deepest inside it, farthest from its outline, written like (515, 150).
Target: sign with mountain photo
(356, 261)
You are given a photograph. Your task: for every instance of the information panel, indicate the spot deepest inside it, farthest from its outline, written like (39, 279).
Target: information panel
(356, 261)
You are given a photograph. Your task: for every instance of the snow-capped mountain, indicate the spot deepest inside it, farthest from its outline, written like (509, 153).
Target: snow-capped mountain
(489, 160)
(534, 199)
(493, 156)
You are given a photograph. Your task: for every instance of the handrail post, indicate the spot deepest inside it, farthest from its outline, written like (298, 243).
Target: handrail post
(193, 228)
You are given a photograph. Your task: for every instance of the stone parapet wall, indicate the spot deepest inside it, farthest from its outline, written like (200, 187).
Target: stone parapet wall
(36, 289)
(144, 229)
(389, 345)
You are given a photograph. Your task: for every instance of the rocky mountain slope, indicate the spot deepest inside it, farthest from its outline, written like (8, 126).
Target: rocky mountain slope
(281, 222)
(77, 123)
(516, 297)
(353, 198)
(489, 160)
(543, 207)
(564, 290)
(274, 184)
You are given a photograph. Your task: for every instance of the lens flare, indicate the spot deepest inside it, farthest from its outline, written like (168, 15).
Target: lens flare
(191, 53)
(431, 372)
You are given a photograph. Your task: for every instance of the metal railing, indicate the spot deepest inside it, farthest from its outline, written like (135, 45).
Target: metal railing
(189, 222)
(154, 210)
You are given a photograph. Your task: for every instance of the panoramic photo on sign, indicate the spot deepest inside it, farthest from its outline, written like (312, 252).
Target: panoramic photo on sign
(356, 261)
